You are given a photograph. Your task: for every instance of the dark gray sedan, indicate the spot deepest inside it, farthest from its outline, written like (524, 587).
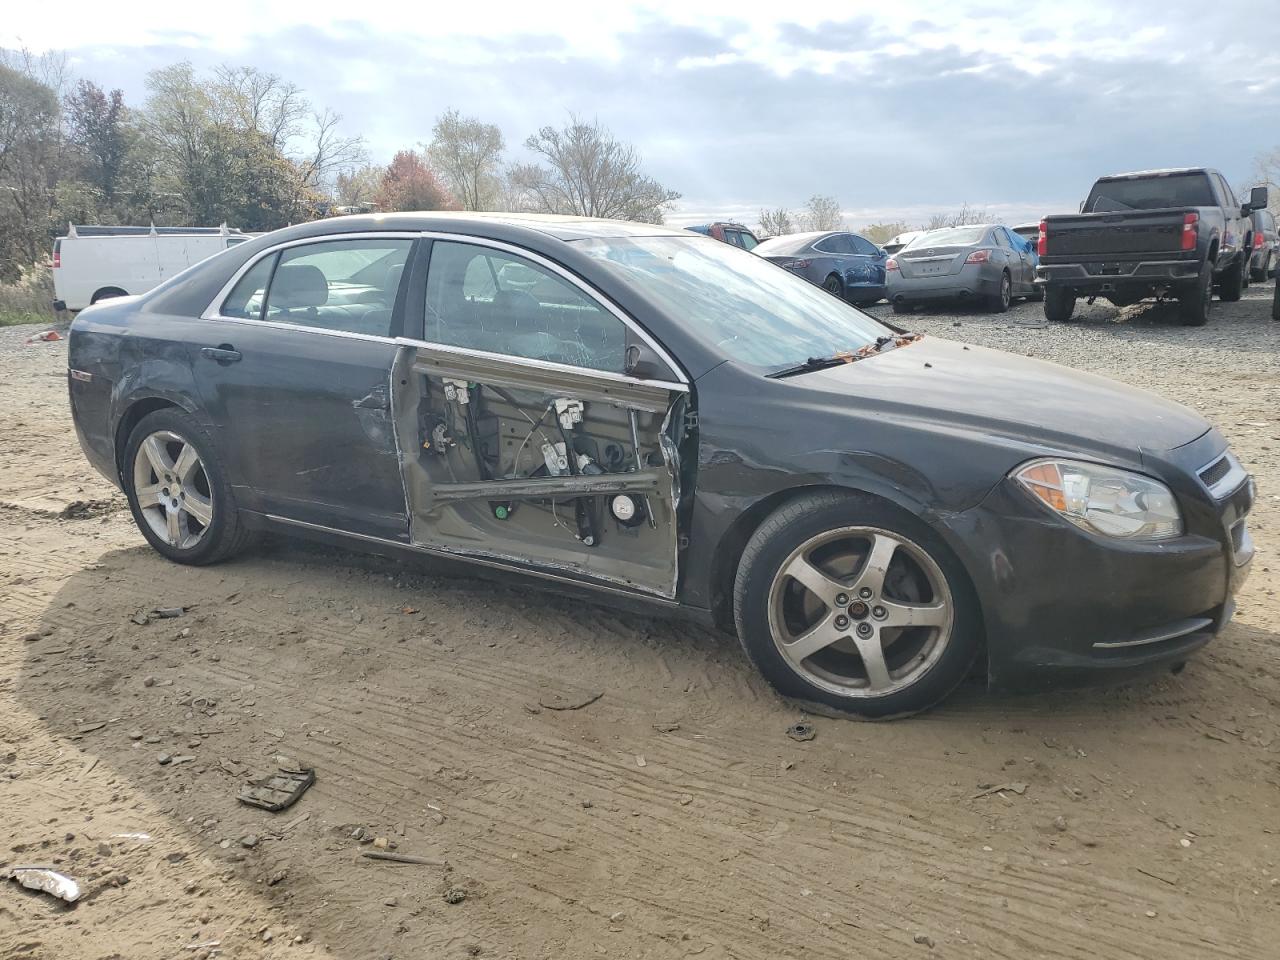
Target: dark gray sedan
(984, 264)
(664, 421)
(842, 263)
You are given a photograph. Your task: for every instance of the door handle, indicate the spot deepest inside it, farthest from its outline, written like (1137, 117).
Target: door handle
(224, 353)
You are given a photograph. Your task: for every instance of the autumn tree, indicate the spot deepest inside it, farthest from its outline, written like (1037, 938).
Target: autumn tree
(879, 233)
(357, 186)
(468, 155)
(409, 183)
(583, 169)
(776, 223)
(963, 217)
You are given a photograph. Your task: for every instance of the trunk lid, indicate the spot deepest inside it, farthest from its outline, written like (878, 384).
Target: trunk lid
(932, 261)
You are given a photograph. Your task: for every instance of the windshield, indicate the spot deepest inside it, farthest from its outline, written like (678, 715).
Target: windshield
(949, 237)
(1151, 193)
(750, 310)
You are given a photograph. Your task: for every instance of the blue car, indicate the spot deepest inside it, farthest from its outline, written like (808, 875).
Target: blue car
(845, 264)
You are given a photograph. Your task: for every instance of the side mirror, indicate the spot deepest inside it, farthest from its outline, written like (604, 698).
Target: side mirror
(643, 364)
(1259, 198)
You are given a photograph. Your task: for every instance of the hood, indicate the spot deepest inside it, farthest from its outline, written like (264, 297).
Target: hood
(1007, 395)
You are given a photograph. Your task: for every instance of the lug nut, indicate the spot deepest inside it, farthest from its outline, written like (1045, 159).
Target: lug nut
(864, 629)
(841, 622)
(865, 592)
(879, 612)
(841, 599)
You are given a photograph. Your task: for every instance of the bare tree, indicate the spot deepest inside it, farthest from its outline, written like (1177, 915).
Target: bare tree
(589, 172)
(822, 213)
(468, 154)
(328, 153)
(1266, 172)
(963, 217)
(776, 222)
(249, 99)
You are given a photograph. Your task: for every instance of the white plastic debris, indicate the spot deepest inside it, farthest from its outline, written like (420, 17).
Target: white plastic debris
(47, 881)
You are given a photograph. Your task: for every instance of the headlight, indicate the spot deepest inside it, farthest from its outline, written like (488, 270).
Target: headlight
(1114, 503)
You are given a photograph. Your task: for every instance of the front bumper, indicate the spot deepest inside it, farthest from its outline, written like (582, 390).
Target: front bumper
(1061, 605)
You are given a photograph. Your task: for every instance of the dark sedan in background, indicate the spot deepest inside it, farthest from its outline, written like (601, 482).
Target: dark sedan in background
(661, 419)
(1266, 245)
(985, 263)
(850, 266)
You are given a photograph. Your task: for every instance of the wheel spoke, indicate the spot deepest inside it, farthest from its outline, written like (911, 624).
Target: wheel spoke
(816, 638)
(872, 653)
(149, 496)
(156, 454)
(199, 507)
(814, 580)
(914, 614)
(877, 563)
(186, 463)
(173, 528)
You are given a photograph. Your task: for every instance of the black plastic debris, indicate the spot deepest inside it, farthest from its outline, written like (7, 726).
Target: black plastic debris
(280, 790)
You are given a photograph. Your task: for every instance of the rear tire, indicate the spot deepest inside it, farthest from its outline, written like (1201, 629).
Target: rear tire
(1059, 304)
(833, 286)
(1275, 302)
(1001, 301)
(178, 490)
(1231, 286)
(1195, 301)
(1265, 272)
(908, 628)
(901, 306)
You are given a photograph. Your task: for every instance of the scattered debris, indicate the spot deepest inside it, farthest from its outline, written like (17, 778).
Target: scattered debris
(1156, 876)
(249, 842)
(206, 945)
(641, 761)
(88, 767)
(802, 731)
(46, 881)
(455, 895)
(278, 791)
(668, 727)
(401, 858)
(924, 939)
(1002, 788)
(46, 336)
(560, 702)
(167, 613)
(91, 726)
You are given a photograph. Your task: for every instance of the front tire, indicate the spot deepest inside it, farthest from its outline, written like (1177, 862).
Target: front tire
(1059, 304)
(178, 491)
(850, 604)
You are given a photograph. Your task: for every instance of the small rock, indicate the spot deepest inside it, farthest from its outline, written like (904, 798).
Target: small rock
(587, 804)
(104, 849)
(149, 682)
(267, 936)
(151, 739)
(925, 939)
(164, 759)
(1060, 824)
(1184, 842)
(685, 799)
(250, 841)
(135, 734)
(390, 902)
(380, 843)
(455, 895)
(617, 917)
(1151, 914)
(640, 761)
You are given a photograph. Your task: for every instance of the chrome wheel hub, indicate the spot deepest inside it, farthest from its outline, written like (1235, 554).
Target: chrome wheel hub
(172, 489)
(860, 611)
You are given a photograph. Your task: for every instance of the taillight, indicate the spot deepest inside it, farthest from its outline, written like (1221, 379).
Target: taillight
(1042, 240)
(891, 264)
(798, 264)
(1190, 230)
(978, 256)
(57, 255)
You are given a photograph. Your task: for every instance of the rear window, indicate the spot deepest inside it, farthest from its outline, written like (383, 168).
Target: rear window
(950, 237)
(1151, 193)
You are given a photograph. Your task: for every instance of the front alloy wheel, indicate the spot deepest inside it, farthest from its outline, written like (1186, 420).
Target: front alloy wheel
(860, 611)
(172, 489)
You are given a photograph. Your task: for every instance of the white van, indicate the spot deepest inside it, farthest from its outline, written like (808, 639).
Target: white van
(94, 263)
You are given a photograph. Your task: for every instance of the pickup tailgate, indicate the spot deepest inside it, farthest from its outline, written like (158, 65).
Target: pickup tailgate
(1102, 235)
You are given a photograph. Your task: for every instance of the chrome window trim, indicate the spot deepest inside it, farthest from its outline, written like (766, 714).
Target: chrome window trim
(213, 311)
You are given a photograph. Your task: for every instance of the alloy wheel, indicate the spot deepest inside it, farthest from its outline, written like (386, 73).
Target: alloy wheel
(172, 489)
(860, 611)
(1006, 291)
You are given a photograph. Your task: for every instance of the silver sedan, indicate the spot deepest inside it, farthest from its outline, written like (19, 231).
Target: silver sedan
(986, 263)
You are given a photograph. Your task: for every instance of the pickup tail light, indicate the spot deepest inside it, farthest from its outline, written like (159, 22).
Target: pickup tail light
(1190, 230)
(891, 264)
(1042, 240)
(978, 256)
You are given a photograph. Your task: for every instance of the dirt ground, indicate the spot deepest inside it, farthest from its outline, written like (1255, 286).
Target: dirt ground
(671, 817)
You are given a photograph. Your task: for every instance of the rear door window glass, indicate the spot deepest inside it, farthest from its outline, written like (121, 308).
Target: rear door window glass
(246, 300)
(346, 285)
(486, 299)
(863, 247)
(837, 243)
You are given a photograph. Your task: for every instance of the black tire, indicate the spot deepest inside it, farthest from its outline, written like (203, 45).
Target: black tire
(106, 293)
(1232, 283)
(1275, 302)
(1001, 301)
(795, 524)
(833, 286)
(1059, 304)
(901, 306)
(225, 534)
(1194, 302)
(1265, 272)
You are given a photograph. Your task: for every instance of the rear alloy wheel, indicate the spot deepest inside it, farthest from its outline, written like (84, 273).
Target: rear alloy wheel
(1195, 301)
(841, 602)
(177, 491)
(1000, 302)
(833, 286)
(1059, 304)
(1231, 286)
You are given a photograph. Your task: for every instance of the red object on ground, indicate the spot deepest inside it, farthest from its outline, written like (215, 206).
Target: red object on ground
(48, 335)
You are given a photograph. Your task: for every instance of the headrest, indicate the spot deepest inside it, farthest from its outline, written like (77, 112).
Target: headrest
(298, 285)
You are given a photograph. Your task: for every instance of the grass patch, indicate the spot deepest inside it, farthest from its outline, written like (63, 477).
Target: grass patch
(29, 299)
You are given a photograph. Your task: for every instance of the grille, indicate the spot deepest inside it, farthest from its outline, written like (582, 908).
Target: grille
(1216, 471)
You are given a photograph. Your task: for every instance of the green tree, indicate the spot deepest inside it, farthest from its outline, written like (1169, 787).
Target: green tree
(31, 157)
(468, 155)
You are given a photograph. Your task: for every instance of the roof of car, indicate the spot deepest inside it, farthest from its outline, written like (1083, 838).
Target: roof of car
(1165, 172)
(550, 225)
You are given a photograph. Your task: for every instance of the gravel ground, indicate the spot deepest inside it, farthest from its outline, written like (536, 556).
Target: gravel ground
(669, 818)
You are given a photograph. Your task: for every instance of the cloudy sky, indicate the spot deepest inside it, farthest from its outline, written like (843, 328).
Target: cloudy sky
(899, 109)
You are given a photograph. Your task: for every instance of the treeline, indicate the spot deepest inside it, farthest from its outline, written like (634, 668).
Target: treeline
(249, 148)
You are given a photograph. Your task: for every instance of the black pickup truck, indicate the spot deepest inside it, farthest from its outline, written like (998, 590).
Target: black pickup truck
(1157, 233)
